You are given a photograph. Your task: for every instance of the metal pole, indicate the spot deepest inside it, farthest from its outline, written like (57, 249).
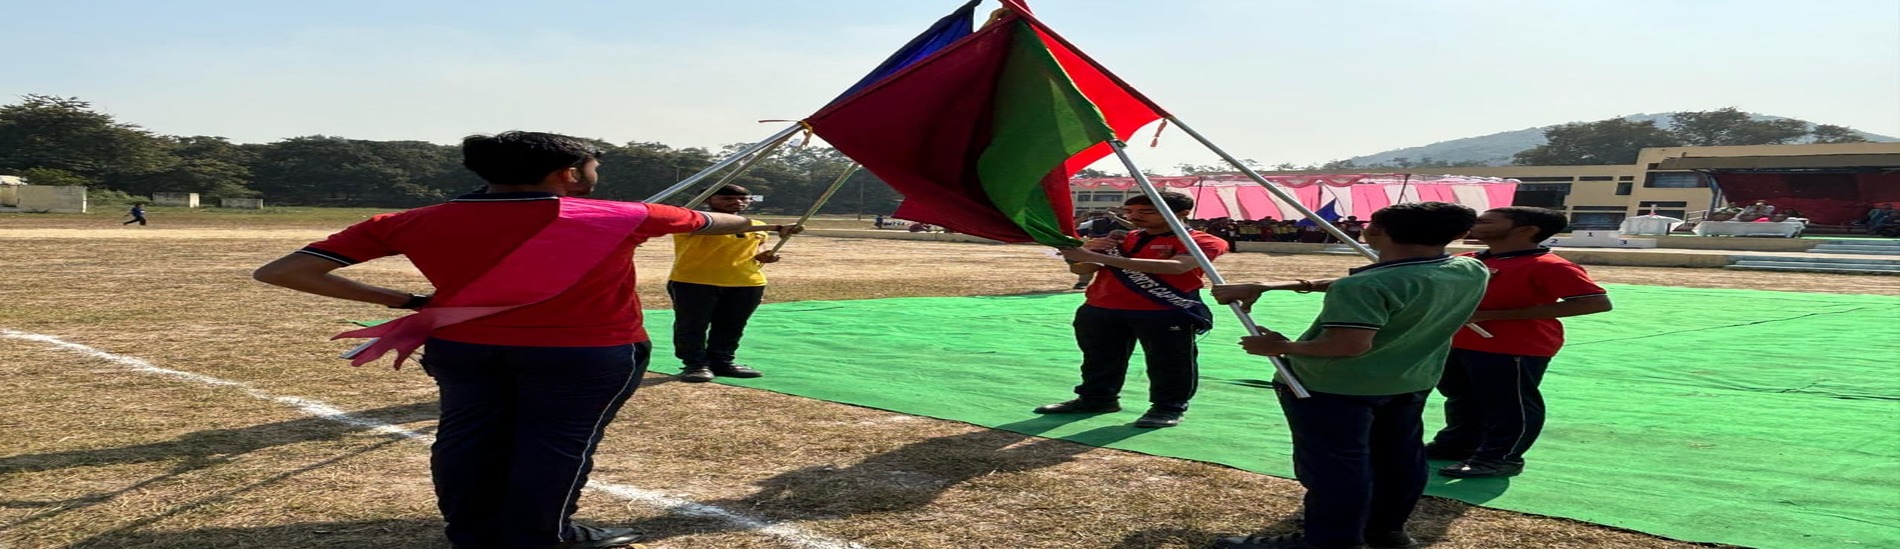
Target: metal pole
(822, 199)
(1187, 241)
(781, 136)
(734, 174)
(1324, 224)
(1277, 191)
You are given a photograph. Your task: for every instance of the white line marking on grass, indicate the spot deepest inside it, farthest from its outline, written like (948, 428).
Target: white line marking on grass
(795, 536)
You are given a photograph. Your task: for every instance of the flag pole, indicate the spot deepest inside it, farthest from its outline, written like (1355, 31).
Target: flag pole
(1200, 257)
(1324, 224)
(734, 174)
(779, 137)
(820, 203)
(1289, 199)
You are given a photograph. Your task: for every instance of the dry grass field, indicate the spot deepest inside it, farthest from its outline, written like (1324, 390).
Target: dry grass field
(208, 416)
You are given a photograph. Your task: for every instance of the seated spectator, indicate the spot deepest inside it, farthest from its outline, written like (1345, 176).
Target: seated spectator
(1878, 218)
(1756, 212)
(1249, 232)
(1353, 227)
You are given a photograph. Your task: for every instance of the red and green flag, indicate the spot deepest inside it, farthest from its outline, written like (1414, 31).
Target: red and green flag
(982, 132)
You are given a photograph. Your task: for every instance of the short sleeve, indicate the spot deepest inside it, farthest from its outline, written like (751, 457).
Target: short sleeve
(663, 219)
(355, 244)
(1211, 245)
(1566, 281)
(1357, 305)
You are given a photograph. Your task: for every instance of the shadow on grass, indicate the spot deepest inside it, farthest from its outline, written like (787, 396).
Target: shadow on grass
(907, 478)
(1430, 522)
(197, 451)
(419, 534)
(1434, 515)
(1190, 537)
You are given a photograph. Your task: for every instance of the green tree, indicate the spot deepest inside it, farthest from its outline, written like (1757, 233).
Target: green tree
(65, 133)
(1829, 133)
(1613, 141)
(639, 169)
(54, 177)
(333, 171)
(211, 166)
(1730, 126)
(1203, 169)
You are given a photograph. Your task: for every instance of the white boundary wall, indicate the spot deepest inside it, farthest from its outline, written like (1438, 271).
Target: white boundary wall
(50, 199)
(184, 200)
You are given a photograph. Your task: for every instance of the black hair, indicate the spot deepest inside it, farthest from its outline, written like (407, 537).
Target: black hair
(1177, 202)
(732, 190)
(523, 158)
(1548, 222)
(1425, 223)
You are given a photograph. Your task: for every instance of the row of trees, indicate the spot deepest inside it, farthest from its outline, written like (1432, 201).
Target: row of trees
(1619, 140)
(64, 141)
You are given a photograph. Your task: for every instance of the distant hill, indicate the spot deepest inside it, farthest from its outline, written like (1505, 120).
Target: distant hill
(1496, 149)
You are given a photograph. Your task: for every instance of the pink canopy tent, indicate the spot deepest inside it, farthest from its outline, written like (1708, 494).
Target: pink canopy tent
(1238, 197)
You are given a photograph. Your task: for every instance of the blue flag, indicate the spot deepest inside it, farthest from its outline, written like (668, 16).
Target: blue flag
(950, 29)
(1325, 212)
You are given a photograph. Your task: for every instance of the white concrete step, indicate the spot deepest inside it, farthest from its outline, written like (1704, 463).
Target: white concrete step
(1819, 259)
(1810, 268)
(1863, 242)
(1855, 251)
(1840, 265)
(1862, 250)
(1827, 264)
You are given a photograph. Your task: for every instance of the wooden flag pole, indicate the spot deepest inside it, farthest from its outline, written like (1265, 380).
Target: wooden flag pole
(1324, 224)
(820, 203)
(1181, 232)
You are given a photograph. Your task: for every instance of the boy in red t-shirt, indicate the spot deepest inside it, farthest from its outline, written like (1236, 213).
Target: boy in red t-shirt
(1146, 290)
(1493, 410)
(526, 393)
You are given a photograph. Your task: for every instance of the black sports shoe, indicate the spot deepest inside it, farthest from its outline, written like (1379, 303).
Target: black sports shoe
(1396, 539)
(1156, 419)
(1283, 541)
(734, 370)
(590, 537)
(1482, 468)
(1080, 406)
(696, 374)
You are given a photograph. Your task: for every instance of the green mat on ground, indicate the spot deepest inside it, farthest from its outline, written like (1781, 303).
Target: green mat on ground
(1766, 419)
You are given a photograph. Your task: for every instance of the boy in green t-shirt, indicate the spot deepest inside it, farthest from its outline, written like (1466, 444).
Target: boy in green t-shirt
(1370, 360)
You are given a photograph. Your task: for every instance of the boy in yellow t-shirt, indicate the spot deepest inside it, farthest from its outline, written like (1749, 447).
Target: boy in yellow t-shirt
(716, 284)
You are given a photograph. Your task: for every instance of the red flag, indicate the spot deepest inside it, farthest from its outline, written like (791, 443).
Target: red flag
(983, 136)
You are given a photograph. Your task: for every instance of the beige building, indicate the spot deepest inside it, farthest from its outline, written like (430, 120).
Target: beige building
(1595, 197)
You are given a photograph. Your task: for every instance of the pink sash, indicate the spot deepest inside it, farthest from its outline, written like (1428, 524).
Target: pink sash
(585, 233)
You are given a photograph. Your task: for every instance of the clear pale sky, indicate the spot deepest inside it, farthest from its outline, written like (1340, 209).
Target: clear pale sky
(1273, 80)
